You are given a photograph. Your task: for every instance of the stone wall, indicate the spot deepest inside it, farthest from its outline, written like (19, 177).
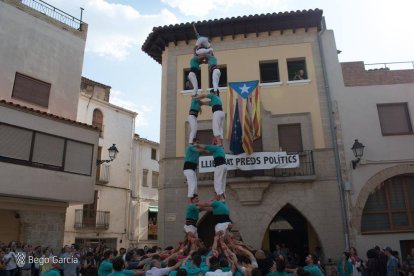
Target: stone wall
(41, 222)
(43, 228)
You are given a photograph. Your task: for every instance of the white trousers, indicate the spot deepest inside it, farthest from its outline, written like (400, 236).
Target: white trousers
(216, 78)
(192, 121)
(220, 174)
(191, 182)
(190, 229)
(204, 51)
(202, 41)
(222, 227)
(193, 79)
(218, 123)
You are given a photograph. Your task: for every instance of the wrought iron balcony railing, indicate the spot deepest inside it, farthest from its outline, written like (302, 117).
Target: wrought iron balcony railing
(54, 13)
(91, 219)
(306, 168)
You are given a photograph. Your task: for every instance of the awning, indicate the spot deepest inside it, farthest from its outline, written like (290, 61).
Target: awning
(153, 209)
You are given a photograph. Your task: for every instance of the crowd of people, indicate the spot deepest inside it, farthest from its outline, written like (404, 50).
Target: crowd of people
(226, 257)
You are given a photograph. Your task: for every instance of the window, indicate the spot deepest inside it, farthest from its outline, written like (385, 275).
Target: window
(269, 71)
(78, 157)
(145, 178)
(187, 84)
(391, 208)
(154, 154)
(42, 150)
(394, 119)
(290, 138)
(89, 212)
(98, 168)
(223, 77)
(48, 150)
(31, 90)
(205, 137)
(154, 179)
(152, 223)
(297, 69)
(97, 121)
(258, 145)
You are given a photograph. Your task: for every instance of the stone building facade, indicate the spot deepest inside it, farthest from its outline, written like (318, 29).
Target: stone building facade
(308, 198)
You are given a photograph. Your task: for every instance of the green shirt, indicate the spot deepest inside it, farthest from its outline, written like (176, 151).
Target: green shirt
(127, 272)
(214, 99)
(277, 273)
(105, 268)
(216, 151)
(314, 270)
(192, 212)
(193, 270)
(348, 268)
(116, 273)
(195, 104)
(191, 154)
(220, 208)
(51, 272)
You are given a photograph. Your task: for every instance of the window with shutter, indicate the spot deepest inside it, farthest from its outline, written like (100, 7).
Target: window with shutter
(290, 138)
(394, 119)
(97, 121)
(31, 90)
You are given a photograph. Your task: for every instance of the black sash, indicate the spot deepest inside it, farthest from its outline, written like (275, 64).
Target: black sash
(219, 161)
(216, 107)
(193, 112)
(190, 166)
(221, 218)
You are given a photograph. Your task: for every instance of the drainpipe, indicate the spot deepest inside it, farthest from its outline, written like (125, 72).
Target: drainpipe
(334, 138)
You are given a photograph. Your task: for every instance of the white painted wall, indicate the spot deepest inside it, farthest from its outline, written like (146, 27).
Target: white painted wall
(146, 196)
(42, 50)
(115, 196)
(359, 120)
(118, 128)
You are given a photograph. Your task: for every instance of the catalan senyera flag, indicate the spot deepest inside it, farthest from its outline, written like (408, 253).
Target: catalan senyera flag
(243, 120)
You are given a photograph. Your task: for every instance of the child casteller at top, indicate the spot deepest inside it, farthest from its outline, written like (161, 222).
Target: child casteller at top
(203, 54)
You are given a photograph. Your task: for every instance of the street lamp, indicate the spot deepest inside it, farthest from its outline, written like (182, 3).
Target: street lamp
(358, 149)
(113, 151)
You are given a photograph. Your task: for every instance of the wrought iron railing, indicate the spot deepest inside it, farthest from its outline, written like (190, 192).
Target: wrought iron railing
(404, 65)
(306, 168)
(54, 12)
(85, 218)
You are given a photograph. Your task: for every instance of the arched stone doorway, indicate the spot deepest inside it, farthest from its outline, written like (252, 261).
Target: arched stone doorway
(10, 226)
(290, 229)
(371, 186)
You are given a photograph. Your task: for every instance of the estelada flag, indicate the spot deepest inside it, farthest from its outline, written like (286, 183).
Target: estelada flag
(243, 120)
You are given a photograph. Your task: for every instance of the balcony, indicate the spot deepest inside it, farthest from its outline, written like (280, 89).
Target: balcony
(103, 173)
(91, 219)
(306, 169)
(54, 13)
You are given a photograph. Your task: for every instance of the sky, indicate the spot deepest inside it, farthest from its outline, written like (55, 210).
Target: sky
(373, 31)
